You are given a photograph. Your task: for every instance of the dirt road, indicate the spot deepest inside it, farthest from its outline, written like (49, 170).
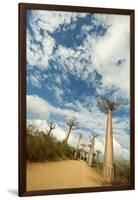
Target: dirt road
(61, 174)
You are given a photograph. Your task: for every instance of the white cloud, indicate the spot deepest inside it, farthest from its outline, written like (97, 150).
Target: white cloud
(58, 80)
(99, 145)
(70, 105)
(52, 20)
(35, 80)
(65, 52)
(59, 132)
(42, 125)
(58, 92)
(123, 123)
(95, 53)
(86, 28)
(110, 48)
(39, 55)
(37, 105)
(123, 138)
(48, 44)
(72, 26)
(75, 61)
(92, 120)
(101, 54)
(120, 152)
(33, 56)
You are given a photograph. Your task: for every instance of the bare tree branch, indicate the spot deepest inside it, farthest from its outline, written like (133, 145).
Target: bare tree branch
(72, 122)
(30, 129)
(51, 127)
(105, 105)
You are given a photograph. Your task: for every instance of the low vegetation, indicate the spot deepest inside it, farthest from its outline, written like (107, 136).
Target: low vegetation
(42, 147)
(122, 172)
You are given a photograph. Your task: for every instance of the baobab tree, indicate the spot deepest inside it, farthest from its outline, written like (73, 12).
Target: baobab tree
(77, 147)
(36, 133)
(107, 106)
(88, 155)
(82, 152)
(98, 156)
(30, 129)
(72, 125)
(91, 151)
(94, 158)
(52, 126)
(83, 145)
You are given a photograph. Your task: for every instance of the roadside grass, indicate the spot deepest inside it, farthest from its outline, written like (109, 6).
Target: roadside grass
(122, 172)
(41, 147)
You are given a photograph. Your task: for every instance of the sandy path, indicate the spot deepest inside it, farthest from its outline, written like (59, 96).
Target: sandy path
(61, 174)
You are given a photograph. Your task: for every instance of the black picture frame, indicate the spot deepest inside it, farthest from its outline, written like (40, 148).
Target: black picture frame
(22, 97)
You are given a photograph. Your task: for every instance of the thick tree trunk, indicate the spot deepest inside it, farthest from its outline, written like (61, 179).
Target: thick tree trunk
(77, 148)
(97, 159)
(67, 136)
(108, 169)
(90, 160)
(88, 155)
(49, 132)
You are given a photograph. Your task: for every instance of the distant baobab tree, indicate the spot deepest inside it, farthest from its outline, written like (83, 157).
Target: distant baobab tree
(91, 151)
(83, 152)
(83, 145)
(89, 146)
(77, 147)
(108, 106)
(52, 126)
(72, 125)
(94, 157)
(36, 133)
(98, 156)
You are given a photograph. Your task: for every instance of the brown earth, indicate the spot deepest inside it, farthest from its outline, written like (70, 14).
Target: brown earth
(62, 174)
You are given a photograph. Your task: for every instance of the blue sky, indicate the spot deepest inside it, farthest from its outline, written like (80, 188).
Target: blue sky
(74, 59)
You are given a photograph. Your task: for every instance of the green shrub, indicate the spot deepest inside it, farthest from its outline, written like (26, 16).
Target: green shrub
(41, 147)
(122, 173)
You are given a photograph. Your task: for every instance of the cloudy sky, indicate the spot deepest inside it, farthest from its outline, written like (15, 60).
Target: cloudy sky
(74, 59)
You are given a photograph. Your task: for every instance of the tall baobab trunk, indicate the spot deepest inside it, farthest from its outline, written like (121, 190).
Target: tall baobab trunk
(108, 169)
(77, 148)
(67, 136)
(88, 154)
(51, 127)
(98, 156)
(94, 157)
(90, 159)
(107, 106)
(97, 159)
(72, 124)
(49, 132)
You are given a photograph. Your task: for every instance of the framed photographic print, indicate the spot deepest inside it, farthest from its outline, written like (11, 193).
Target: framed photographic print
(76, 99)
